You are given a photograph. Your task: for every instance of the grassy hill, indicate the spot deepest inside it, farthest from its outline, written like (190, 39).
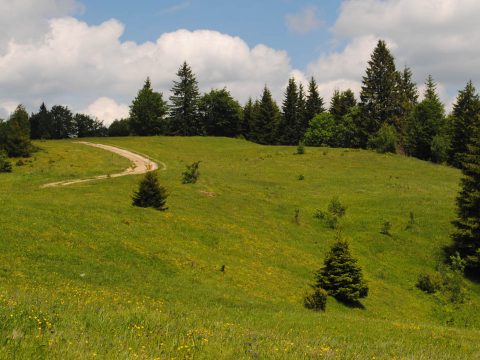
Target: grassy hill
(83, 274)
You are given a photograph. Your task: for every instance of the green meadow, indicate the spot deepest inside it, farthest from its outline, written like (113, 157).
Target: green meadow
(84, 274)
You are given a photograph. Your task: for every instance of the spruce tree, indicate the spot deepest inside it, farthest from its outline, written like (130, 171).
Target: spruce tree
(266, 119)
(287, 127)
(466, 113)
(150, 193)
(466, 237)
(41, 123)
(314, 105)
(426, 122)
(379, 97)
(148, 112)
(247, 118)
(184, 118)
(408, 101)
(302, 117)
(340, 276)
(341, 103)
(17, 137)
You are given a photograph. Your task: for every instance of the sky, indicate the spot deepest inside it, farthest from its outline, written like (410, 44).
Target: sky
(93, 56)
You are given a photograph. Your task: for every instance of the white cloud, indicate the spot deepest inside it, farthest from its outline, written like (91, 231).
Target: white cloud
(75, 64)
(107, 110)
(430, 36)
(304, 21)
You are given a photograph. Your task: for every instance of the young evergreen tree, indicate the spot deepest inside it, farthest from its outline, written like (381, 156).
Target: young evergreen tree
(341, 276)
(379, 97)
(266, 117)
(287, 126)
(426, 123)
(148, 112)
(17, 137)
(466, 117)
(220, 113)
(150, 193)
(341, 103)
(247, 118)
(184, 118)
(314, 105)
(5, 165)
(466, 238)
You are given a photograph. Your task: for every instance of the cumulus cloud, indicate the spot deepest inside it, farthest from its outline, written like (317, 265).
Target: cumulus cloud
(304, 21)
(76, 64)
(431, 36)
(107, 110)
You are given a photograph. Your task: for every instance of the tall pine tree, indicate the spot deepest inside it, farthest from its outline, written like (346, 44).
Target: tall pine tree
(17, 137)
(184, 117)
(341, 103)
(467, 235)
(314, 105)
(266, 118)
(408, 101)
(41, 124)
(302, 117)
(379, 97)
(287, 127)
(247, 118)
(466, 114)
(148, 112)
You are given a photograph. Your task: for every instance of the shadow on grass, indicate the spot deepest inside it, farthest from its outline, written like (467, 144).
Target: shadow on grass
(352, 304)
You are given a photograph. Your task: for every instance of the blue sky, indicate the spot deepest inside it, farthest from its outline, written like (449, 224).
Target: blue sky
(94, 55)
(254, 21)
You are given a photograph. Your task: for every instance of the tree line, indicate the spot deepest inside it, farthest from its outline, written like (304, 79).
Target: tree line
(387, 117)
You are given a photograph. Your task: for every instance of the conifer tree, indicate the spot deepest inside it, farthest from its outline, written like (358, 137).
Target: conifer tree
(302, 117)
(150, 193)
(247, 118)
(266, 119)
(340, 276)
(41, 123)
(148, 112)
(379, 97)
(341, 103)
(62, 125)
(408, 101)
(287, 127)
(426, 122)
(5, 165)
(184, 118)
(466, 117)
(467, 235)
(314, 105)
(17, 137)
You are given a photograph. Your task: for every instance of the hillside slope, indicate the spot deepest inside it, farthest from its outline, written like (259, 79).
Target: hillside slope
(85, 274)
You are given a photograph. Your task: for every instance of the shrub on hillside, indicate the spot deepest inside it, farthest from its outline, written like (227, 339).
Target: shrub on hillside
(317, 300)
(336, 208)
(335, 211)
(150, 193)
(191, 174)
(5, 165)
(385, 140)
(300, 148)
(430, 282)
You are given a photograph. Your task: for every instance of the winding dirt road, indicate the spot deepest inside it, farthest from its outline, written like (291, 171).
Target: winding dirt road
(140, 165)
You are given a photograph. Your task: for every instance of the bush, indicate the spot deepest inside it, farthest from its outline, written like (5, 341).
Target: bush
(430, 282)
(321, 131)
(191, 175)
(5, 165)
(330, 220)
(440, 148)
(150, 193)
(386, 227)
(385, 140)
(317, 300)
(301, 177)
(336, 208)
(300, 149)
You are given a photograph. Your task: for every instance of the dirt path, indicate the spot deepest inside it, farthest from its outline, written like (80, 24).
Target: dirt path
(140, 165)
